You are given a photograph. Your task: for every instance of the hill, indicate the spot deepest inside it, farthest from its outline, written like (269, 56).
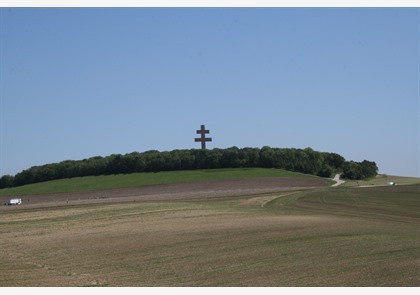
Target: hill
(305, 161)
(135, 180)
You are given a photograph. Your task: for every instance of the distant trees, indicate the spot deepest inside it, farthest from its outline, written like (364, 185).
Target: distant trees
(6, 181)
(299, 160)
(355, 170)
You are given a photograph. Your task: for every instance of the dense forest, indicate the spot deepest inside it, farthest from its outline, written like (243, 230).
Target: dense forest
(299, 160)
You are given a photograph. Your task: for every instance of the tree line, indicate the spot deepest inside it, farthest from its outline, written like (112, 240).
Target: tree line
(305, 161)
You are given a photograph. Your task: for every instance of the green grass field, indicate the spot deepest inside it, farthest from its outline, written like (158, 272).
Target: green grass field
(323, 237)
(92, 183)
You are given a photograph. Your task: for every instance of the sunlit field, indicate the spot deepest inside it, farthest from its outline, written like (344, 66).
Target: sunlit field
(322, 237)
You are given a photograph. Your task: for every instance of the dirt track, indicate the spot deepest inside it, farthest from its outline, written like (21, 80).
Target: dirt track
(177, 191)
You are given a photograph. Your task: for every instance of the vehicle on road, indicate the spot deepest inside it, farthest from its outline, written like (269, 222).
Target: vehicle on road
(15, 201)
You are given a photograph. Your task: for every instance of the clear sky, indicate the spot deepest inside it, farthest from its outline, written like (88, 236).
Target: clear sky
(82, 82)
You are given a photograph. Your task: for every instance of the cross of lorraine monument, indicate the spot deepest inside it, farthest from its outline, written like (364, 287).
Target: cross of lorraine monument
(203, 138)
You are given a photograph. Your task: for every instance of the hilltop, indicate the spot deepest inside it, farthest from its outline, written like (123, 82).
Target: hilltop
(307, 161)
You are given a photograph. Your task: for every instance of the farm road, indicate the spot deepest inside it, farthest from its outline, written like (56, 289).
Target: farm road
(338, 180)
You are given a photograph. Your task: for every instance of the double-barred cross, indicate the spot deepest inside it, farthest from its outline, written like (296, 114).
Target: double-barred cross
(203, 138)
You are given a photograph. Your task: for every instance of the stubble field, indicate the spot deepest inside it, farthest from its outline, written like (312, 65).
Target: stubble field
(317, 237)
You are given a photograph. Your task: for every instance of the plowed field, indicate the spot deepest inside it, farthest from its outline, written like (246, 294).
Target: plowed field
(195, 234)
(176, 191)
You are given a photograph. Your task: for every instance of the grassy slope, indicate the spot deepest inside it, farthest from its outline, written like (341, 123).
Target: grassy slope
(92, 183)
(325, 237)
(383, 179)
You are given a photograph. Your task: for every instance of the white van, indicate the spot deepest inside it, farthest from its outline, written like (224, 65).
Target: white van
(16, 201)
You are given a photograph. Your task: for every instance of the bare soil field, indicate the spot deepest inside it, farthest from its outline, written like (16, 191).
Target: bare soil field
(176, 191)
(196, 235)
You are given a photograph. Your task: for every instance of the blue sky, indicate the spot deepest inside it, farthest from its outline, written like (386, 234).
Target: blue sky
(82, 82)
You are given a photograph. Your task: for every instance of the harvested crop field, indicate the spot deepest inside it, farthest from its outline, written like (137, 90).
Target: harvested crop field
(319, 237)
(176, 191)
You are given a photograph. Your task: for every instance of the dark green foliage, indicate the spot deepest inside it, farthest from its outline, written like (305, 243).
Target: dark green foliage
(334, 160)
(6, 181)
(356, 170)
(297, 160)
(369, 169)
(351, 170)
(325, 171)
